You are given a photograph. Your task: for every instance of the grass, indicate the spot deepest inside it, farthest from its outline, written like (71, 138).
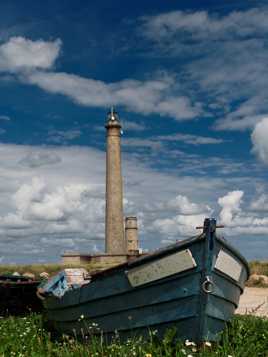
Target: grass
(259, 267)
(51, 269)
(246, 336)
(36, 269)
(256, 267)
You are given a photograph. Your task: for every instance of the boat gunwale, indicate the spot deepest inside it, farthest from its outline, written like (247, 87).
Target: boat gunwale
(169, 249)
(19, 283)
(159, 253)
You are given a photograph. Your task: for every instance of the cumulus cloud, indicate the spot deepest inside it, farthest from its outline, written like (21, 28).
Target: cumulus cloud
(20, 54)
(230, 204)
(35, 202)
(54, 200)
(186, 207)
(260, 203)
(240, 221)
(55, 195)
(259, 140)
(184, 216)
(39, 158)
(179, 226)
(51, 196)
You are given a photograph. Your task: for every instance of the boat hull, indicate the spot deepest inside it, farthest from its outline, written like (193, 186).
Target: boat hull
(197, 301)
(18, 296)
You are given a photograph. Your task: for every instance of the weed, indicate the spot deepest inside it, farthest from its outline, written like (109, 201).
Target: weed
(245, 336)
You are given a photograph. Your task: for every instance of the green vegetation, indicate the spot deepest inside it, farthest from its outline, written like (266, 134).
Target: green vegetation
(246, 336)
(258, 267)
(36, 269)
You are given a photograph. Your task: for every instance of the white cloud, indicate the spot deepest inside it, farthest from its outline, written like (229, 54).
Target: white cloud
(54, 200)
(184, 217)
(226, 59)
(63, 136)
(184, 206)
(31, 60)
(201, 24)
(20, 54)
(179, 226)
(142, 143)
(234, 78)
(34, 201)
(157, 143)
(132, 126)
(242, 222)
(230, 205)
(237, 122)
(246, 116)
(5, 118)
(191, 139)
(260, 203)
(259, 140)
(56, 193)
(155, 96)
(37, 158)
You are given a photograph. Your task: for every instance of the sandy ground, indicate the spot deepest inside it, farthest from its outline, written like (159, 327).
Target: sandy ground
(254, 301)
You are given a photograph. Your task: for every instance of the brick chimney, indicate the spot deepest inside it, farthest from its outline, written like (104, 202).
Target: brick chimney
(131, 234)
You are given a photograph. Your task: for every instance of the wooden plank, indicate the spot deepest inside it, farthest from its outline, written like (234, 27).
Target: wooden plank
(141, 317)
(135, 298)
(161, 268)
(228, 265)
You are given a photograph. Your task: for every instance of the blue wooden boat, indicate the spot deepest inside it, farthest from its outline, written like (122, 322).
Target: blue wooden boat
(193, 285)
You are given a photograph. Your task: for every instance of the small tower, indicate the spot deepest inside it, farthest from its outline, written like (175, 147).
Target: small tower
(114, 226)
(131, 234)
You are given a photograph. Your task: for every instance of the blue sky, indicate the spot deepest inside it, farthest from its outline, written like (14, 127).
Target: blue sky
(189, 81)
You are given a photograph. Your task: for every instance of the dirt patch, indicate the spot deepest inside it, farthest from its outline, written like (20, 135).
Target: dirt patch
(254, 301)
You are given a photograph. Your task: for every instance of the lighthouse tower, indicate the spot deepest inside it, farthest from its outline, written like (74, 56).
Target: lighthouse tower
(115, 243)
(121, 244)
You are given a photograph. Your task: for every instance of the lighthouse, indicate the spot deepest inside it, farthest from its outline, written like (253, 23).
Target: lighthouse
(121, 240)
(115, 242)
